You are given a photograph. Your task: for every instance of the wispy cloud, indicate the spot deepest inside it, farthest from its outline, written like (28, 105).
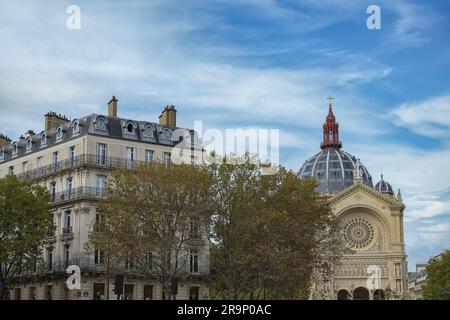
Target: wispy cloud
(429, 118)
(241, 63)
(412, 25)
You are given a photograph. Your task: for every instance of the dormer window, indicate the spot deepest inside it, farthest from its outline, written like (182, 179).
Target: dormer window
(129, 128)
(29, 144)
(15, 149)
(166, 133)
(43, 140)
(59, 133)
(100, 123)
(148, 131)
(75, 127)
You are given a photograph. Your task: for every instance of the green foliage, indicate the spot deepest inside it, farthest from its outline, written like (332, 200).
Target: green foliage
(25, 221)
(149, 210)
(268, 233)
(437, 285)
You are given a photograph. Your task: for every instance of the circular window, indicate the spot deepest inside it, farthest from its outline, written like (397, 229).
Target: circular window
(166, 133)
(358, 233)
(100, 123)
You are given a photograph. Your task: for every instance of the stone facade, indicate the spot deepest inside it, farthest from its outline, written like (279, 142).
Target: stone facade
(73, 159)
(371, 221)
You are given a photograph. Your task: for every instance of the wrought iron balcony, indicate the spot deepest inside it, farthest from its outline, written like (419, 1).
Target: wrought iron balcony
(82, 160)
(67, 230)
(81, 193)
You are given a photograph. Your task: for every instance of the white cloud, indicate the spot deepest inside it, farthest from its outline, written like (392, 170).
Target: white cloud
(73, 68)
(429, 118)
(413, 24)
(443, 227)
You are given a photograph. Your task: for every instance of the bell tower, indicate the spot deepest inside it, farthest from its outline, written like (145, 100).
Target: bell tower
(330, 129)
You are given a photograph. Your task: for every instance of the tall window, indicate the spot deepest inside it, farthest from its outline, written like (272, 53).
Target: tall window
(98, 256)
(69, 185)
(53, 191)
(25, 166)
(131, 156)
(55, 160)
(72, 156)
(97, 222)
(66, 255)
(193, 261)
(148, 156)
(101, 153)
(50, 259)
(39, 162)
(67, 222)
(11, 170)
(101, 185)
(194, 229)
(149, 260)
(167, 157)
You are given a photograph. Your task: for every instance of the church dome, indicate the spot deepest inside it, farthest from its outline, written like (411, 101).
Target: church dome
(384, 187)
(333, 168)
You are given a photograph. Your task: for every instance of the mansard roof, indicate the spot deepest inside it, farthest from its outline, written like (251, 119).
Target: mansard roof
(94, 125)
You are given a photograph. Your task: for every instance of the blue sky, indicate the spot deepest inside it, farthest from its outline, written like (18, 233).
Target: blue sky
(253, 63)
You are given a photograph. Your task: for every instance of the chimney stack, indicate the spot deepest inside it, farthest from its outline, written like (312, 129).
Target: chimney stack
(4, 140)
(168, 117)
(53, 120)
(112, 107)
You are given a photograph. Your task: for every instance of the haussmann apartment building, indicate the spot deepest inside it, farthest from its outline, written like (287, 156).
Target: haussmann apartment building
(73, 159)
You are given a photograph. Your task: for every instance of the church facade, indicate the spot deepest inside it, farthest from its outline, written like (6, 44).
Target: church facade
(371, 219)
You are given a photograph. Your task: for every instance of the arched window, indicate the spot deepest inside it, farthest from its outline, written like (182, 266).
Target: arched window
(129, 128)
(14, 149)
(59, 133)
(75, 127)
(43, 139)
(100, 123)
(166, 133)
(148, 131)
(29, 144)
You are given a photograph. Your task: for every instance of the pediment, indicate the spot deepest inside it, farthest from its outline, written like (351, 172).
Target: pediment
(362, 192)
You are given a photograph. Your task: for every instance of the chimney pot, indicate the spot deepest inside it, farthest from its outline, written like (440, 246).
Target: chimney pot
(53, 120)
(169, 116)
(112, 107)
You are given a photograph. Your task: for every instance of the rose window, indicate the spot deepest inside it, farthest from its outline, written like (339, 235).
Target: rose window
(358, 233)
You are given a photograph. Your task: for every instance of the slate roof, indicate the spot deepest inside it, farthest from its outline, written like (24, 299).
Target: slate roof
(97, 125)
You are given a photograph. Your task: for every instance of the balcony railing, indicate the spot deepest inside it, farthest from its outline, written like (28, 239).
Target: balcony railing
(67, 230)
(60, 266)
(79, 161)
(81, 193)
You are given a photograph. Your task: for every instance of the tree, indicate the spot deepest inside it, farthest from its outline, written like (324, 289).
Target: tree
(25, 221)
(147, 217)
(268, 233)
(437, 285)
